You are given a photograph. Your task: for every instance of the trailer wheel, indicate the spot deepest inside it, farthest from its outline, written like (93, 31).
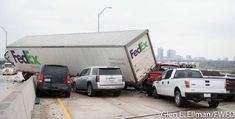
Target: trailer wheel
(137, 87)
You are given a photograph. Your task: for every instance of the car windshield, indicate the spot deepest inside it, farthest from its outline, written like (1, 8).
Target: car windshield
(188, 74)
(110, 71)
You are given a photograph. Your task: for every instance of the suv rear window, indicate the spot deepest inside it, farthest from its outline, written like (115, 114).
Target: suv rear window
(55, 73)
(110, 71)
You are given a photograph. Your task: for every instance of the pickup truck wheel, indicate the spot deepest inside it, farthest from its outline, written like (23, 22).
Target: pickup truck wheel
(178, 99)
(155, 94)
(149, 92)
(90, 90)
(213, 104)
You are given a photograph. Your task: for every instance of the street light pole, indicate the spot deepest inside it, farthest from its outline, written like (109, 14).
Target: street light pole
(100, 15)
(6, 34)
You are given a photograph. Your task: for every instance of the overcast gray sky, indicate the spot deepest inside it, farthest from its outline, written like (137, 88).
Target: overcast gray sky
(198, 27)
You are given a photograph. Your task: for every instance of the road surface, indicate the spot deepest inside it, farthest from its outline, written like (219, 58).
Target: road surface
(130, 105)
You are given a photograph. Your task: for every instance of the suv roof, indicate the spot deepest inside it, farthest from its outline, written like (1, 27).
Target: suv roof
(186, 69)
(103, 67)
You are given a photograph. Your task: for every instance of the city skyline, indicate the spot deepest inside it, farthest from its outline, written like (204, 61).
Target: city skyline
(172, 54)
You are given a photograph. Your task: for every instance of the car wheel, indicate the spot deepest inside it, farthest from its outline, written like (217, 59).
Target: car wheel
(155, 94)
(117, 93)
(90, 90)
(213, 103)
(178, 99)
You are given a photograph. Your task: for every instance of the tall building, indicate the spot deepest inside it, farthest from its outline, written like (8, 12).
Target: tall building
(225, 59)
(188, 57)
(160, 53)
(171, 54)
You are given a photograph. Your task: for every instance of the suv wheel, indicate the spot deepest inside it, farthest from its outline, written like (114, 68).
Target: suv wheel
(90, 91)
(178, 99)
(117, 93)
(155, 94)
(213, 103)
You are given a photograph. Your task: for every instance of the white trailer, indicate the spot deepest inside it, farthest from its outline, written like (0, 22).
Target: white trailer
(130, 50)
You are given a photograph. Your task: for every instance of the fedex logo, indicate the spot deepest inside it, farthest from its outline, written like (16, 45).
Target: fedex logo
(141, 47)
(25, 58)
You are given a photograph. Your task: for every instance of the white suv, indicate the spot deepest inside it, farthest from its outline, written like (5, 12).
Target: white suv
(100, 78)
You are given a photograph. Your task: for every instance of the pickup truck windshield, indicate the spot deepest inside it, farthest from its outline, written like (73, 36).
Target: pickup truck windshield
(188, 74)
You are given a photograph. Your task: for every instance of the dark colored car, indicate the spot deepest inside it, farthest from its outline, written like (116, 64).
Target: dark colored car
(54, 78)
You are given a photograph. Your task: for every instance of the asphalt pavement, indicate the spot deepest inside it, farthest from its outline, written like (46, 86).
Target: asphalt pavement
(8, 83)
(130, 105)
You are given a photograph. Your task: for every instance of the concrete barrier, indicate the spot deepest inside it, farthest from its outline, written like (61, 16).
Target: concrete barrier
(19, 104)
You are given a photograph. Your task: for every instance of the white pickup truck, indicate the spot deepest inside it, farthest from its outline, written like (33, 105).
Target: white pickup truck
(189, 84)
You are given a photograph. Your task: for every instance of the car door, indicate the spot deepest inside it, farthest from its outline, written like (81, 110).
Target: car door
(160, 84)
(169, 83)
(165, 82)
(79, 81)
(85, 78)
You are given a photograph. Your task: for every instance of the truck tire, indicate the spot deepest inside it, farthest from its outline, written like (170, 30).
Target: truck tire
(155, 94)
(179, 101)
(213, 103)
(137, 87)
(149, 93)
(90, 90)
(117, 93)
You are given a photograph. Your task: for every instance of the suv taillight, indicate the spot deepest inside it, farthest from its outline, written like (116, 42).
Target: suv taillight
(68, 80)
(187, 84)
(97, 78)
(40, 79)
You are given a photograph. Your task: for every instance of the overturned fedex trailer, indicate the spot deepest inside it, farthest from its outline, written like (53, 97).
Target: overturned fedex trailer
(130, 50)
